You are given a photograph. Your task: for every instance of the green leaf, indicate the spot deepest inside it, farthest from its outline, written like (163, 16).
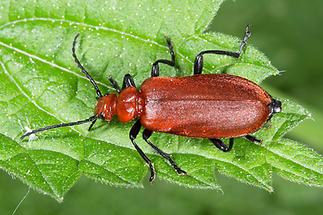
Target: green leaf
(40, 85)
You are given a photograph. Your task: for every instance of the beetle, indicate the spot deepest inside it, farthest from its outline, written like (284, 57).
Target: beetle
(211, 106)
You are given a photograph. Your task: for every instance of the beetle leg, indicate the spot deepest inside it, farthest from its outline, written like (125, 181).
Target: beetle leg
(155, 68)
(198, 63)
(128, 81)
(220, 145)
(146, 134)
(133, 134)
(114, 84)
(252, 139)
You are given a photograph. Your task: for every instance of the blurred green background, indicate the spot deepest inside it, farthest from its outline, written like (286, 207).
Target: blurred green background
(290, 33)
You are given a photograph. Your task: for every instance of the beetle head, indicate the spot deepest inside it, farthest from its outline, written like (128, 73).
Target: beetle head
(106, 107)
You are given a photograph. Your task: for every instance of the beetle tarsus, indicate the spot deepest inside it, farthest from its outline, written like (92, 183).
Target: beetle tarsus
(132, 135)
(220, 145)
(146, 134)
(246, 36)
(152, 172)
(155, 67)
(181, 172)
(252, 139)
(198, 63)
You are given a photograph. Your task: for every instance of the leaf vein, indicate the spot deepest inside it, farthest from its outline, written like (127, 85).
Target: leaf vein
(293, 161)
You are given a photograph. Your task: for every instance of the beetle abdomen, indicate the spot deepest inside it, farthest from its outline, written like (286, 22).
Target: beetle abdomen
(208, 106)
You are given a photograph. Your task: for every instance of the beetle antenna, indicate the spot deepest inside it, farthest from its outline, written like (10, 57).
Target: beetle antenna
(97, 90)
(91, 119)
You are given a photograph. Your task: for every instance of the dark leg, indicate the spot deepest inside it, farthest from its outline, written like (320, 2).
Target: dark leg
(252, 139)
(198, 64)
(146, 134)
(220, 145)
(128, 81)
(133, 134)
(115, 84)
(97, 90)
(155, 68)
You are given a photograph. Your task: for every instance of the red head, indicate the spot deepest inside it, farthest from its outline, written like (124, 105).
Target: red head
(106, 107)
(128, 105)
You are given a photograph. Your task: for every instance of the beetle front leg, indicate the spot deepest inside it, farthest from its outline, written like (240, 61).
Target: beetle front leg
(128, 81)
(133, 134)
(198, 63)
(114, 84)
(155, 68)
(146, 134)
(220, 145)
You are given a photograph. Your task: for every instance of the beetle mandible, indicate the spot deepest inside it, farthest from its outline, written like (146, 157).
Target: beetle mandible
(208, 106)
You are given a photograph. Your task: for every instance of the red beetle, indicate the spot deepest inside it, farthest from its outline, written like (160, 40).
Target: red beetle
(203, 106)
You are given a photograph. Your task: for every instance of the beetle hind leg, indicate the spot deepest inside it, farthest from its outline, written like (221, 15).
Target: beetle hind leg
(155, 67)
(198, 63)
(146, 134)
(220, 145)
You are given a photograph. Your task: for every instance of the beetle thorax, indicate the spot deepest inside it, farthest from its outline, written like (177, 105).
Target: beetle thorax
(127, 106)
